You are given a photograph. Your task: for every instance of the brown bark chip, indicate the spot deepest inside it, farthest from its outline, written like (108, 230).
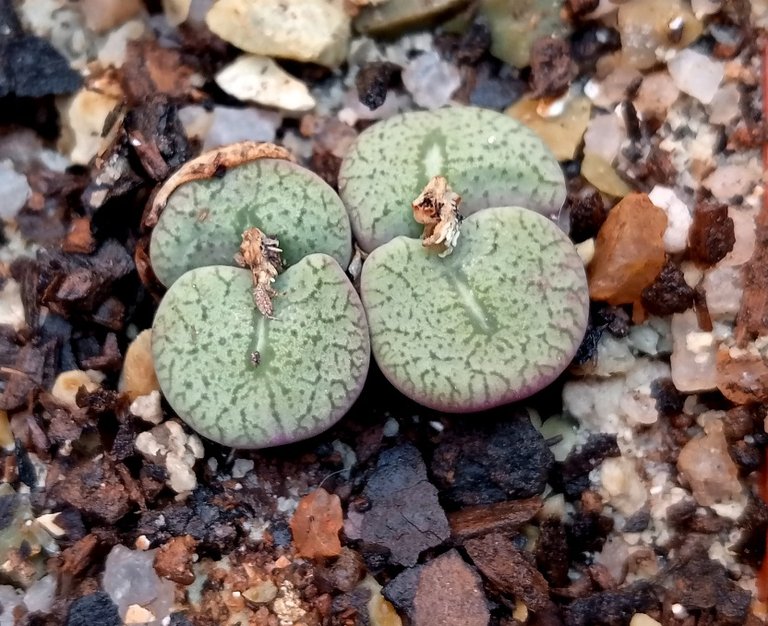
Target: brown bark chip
(509, 570)
(474, 521)
(551, 67)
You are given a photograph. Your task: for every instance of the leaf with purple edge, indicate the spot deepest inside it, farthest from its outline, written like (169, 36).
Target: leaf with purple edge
(492, 323)
(249, 381)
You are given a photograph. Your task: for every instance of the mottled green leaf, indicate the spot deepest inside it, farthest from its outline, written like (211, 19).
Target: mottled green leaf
(203, 221)
(250, 382)
(492, 323)
(488, 158)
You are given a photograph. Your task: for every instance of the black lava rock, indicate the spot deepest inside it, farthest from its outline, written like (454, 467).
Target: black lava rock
(489, 460)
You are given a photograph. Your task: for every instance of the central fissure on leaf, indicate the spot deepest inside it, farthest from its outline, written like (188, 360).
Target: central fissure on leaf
(477, 313)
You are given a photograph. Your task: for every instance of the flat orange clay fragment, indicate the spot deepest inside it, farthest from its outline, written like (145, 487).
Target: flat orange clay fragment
(629, 251)
(316, 524)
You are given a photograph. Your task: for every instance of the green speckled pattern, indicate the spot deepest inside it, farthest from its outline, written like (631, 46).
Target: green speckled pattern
(494, 322)
(488, 158)
(204, 220)
(314, 355)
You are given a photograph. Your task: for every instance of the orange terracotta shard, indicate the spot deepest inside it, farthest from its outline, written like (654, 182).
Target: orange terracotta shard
(629, 251)
(316, 524)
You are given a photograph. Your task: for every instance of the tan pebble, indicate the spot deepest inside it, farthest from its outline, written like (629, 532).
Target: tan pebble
(641, 619)
(48, 522)
(138, 377)
(563, 131)
(103, 15)
(83, 118)
(602, 175)
(67, 384)
(137, 614)
(521, 612)
(262, 592)
(380, 611)
(6, 434)
(706, 466)
(282, 562)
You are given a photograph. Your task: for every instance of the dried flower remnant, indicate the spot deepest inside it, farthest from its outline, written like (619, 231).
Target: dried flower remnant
(261, 254)
(437, 208)
(493, 159)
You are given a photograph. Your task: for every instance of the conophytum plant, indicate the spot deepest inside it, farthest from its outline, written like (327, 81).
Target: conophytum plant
(477, 313)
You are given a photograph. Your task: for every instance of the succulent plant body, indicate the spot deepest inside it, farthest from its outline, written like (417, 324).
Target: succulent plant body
(478, 314)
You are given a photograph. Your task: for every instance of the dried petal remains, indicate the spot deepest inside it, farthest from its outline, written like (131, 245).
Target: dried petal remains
(261, 254)
(437, 207)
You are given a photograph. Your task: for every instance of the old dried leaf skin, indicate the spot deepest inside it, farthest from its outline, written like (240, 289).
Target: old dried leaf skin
(211, 164)
(261, 254)
(437, 208)
(629, 251)
(203, 221)
(316, 524)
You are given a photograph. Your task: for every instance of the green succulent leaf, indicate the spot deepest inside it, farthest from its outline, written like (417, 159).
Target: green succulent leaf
(488, 158)
(203, 221)
(494, 322)
(251, 382)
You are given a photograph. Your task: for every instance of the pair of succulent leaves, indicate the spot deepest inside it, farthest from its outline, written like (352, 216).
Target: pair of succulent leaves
(493, 322)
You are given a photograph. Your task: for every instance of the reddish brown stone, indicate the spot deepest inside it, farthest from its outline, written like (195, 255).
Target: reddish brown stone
(76, 559)
(712, 233)
(79, 238)
(629, 251)
(95, 488)
(742, 377)
(174, 560)
(449, 593)
(316, 525)
(752, 320)
(508, 570)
